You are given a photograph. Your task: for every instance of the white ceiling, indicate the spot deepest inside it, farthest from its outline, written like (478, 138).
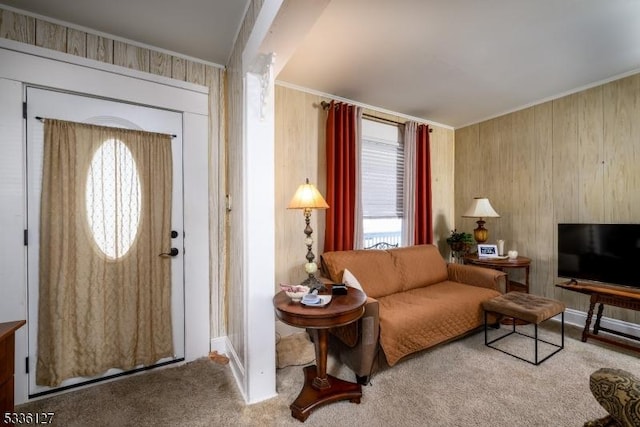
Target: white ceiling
(461, 61)
(453, 62)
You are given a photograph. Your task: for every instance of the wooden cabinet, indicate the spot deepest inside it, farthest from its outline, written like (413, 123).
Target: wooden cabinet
(7, 357)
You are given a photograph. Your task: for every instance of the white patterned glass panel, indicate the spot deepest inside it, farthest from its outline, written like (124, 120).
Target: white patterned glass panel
(113, 198)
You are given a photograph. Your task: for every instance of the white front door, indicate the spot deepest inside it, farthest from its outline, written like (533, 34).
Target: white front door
(44, 104)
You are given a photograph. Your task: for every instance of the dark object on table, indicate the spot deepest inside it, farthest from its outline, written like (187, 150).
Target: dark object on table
(339, 289)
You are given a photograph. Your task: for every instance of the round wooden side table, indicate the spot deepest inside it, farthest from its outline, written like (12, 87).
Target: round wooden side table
(319, 387)
(504, 265)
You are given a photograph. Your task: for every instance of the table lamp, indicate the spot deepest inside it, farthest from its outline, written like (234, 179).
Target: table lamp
(480, 208)
(307, 197)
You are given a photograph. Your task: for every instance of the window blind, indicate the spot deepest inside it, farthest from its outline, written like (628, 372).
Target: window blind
(382, 177)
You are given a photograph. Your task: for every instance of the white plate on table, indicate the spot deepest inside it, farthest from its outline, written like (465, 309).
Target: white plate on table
(324, 300)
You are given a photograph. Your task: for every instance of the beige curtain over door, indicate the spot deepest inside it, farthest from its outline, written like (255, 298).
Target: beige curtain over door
(104, 291)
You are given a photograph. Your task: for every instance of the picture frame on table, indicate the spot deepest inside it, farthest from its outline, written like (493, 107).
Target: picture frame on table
(487, 251)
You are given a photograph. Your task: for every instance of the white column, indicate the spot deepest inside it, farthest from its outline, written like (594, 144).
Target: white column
(259, 222)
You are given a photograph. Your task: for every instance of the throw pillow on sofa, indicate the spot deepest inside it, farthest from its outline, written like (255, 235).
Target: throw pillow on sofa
(350, 280)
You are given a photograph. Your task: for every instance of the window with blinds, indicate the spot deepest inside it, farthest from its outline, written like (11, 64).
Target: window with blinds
(382, 169)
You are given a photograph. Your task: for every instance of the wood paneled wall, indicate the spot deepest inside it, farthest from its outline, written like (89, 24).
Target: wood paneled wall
(38, 32)
(573, 159)
(300, 154)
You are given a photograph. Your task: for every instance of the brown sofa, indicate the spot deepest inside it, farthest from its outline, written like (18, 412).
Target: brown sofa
(415, 301)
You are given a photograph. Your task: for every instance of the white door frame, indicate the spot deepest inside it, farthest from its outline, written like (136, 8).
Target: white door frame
(22, 64)
(72, 107)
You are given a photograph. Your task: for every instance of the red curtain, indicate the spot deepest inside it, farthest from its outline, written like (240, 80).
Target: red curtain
(341, 177)
(423, 211)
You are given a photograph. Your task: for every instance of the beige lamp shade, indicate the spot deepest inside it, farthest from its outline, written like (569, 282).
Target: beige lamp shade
(307, 197)
(481, 208)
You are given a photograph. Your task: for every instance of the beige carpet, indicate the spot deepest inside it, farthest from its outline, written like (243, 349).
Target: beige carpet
(462, 383)
(294, 350)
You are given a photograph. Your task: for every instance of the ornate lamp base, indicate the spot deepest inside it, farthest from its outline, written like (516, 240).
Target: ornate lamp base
(480, 234)
(313, 283)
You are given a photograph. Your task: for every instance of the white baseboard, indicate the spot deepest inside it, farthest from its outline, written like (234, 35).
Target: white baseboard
(219, 344)
(223, 346)
(578, 318)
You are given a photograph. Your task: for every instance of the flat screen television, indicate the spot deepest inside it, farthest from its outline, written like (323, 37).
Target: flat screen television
(608, 253)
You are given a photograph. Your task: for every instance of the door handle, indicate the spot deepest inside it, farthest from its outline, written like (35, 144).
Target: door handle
(172, 252)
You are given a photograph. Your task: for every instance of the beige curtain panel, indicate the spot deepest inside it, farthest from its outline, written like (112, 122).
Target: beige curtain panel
(104, 291)
(409, 184)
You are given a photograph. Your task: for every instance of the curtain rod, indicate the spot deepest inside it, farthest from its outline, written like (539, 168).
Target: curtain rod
(325, 106)
(42, 119)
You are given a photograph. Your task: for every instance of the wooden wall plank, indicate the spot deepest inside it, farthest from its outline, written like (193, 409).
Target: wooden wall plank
(76, 42)
(130, 56)
(480, 172)
(498, 185)
(51, 36)
(566, 170)
(178, 68)
(541, 217)
(442, 172)
(566, 167)
(99, 48)
(160, 63)
(590, 158)
(14, 26)
(469, 171)
(516, 213)
(195, 72)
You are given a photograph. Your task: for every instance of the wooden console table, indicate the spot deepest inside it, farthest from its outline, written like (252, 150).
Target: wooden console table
(605, 295)
(7, 357)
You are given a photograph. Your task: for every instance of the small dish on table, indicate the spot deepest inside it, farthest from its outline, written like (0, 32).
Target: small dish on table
(322, 301)
(295, 292)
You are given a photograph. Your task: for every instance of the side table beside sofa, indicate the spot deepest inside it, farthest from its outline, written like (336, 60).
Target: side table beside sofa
(319, 387)
(415, 300)
(505, 265)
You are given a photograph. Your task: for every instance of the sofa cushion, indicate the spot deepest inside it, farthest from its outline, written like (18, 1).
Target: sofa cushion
(374, 269)
(419, 266)
(423, 317)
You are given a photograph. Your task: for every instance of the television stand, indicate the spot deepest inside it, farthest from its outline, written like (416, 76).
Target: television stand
(602, 294)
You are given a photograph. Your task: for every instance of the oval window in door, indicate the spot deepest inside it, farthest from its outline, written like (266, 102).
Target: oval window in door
(113, 198)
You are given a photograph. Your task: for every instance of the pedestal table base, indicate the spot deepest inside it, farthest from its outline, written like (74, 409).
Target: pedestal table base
(311, 396)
